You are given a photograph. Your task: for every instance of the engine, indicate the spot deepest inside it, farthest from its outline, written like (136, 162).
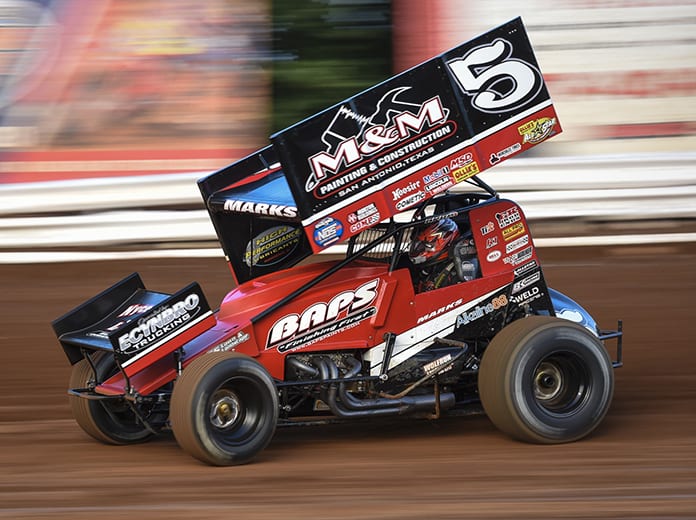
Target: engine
(341, 383)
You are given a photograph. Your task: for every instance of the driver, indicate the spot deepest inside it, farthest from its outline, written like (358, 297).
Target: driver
(442, 256)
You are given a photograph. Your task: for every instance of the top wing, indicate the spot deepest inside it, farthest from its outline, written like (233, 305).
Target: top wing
(381, 152)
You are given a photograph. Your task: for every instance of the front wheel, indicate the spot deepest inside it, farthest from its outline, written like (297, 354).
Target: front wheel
(224, 408)
(546, 380)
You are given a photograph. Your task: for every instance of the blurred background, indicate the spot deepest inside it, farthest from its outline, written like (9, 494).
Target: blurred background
(119, 89)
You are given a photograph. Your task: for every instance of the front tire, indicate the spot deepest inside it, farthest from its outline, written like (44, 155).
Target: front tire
(546, 380)
(111, 421)
(224, 408)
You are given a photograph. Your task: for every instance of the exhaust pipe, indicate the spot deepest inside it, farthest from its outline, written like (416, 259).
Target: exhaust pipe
(343, 404)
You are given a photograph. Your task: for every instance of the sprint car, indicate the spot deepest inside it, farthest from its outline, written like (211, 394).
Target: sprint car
(375, 275)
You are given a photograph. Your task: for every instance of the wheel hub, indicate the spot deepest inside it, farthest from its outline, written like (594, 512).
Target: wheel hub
(548, 382)
(225, 411)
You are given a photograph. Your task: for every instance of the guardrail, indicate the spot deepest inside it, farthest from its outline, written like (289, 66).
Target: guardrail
(137, 210)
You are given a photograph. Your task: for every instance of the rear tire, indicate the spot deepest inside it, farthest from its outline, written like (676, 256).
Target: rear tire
(224, 408)
(546, 380)
(108, 421)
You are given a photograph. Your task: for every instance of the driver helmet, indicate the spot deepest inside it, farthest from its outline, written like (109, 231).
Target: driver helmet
(431, 243)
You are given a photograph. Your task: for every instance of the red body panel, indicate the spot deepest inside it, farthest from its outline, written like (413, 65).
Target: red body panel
(351, 309)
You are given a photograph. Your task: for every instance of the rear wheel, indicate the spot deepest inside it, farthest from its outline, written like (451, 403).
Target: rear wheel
(111, 421)
(546, 380)
(224, 408)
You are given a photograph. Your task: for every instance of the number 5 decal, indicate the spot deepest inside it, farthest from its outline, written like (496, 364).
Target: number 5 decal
(497, 82)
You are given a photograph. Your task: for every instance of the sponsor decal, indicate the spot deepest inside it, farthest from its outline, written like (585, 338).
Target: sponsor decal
(400, 193)
(537, 130)
(411, 200)
(481, 310)
(368, 175)
(461, 161)
(328, 330)
(327, 231)
(434, 366)
(525, 282)
(260, 208)
(272, 246)
(491, 242)
(365, 223)
(527, 296)
(508, 217)
(461, 174)
(506, 152)
(438, 180)
(363, 218)
(323, 319)
(161, 323)
(439, 185)
(517, 244)
(436, 175)
(448, 307)
(493, 256)
(519, 257)
(231, 343)
(394, 122)
(525, 268)
(488, 228)
(513, 231)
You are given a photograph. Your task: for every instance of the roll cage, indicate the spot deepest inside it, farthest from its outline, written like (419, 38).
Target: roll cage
(387, 242)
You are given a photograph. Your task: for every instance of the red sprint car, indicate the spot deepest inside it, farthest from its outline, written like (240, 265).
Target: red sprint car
(375, 275)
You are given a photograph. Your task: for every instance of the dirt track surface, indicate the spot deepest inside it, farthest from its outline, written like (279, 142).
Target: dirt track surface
(640, 463)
